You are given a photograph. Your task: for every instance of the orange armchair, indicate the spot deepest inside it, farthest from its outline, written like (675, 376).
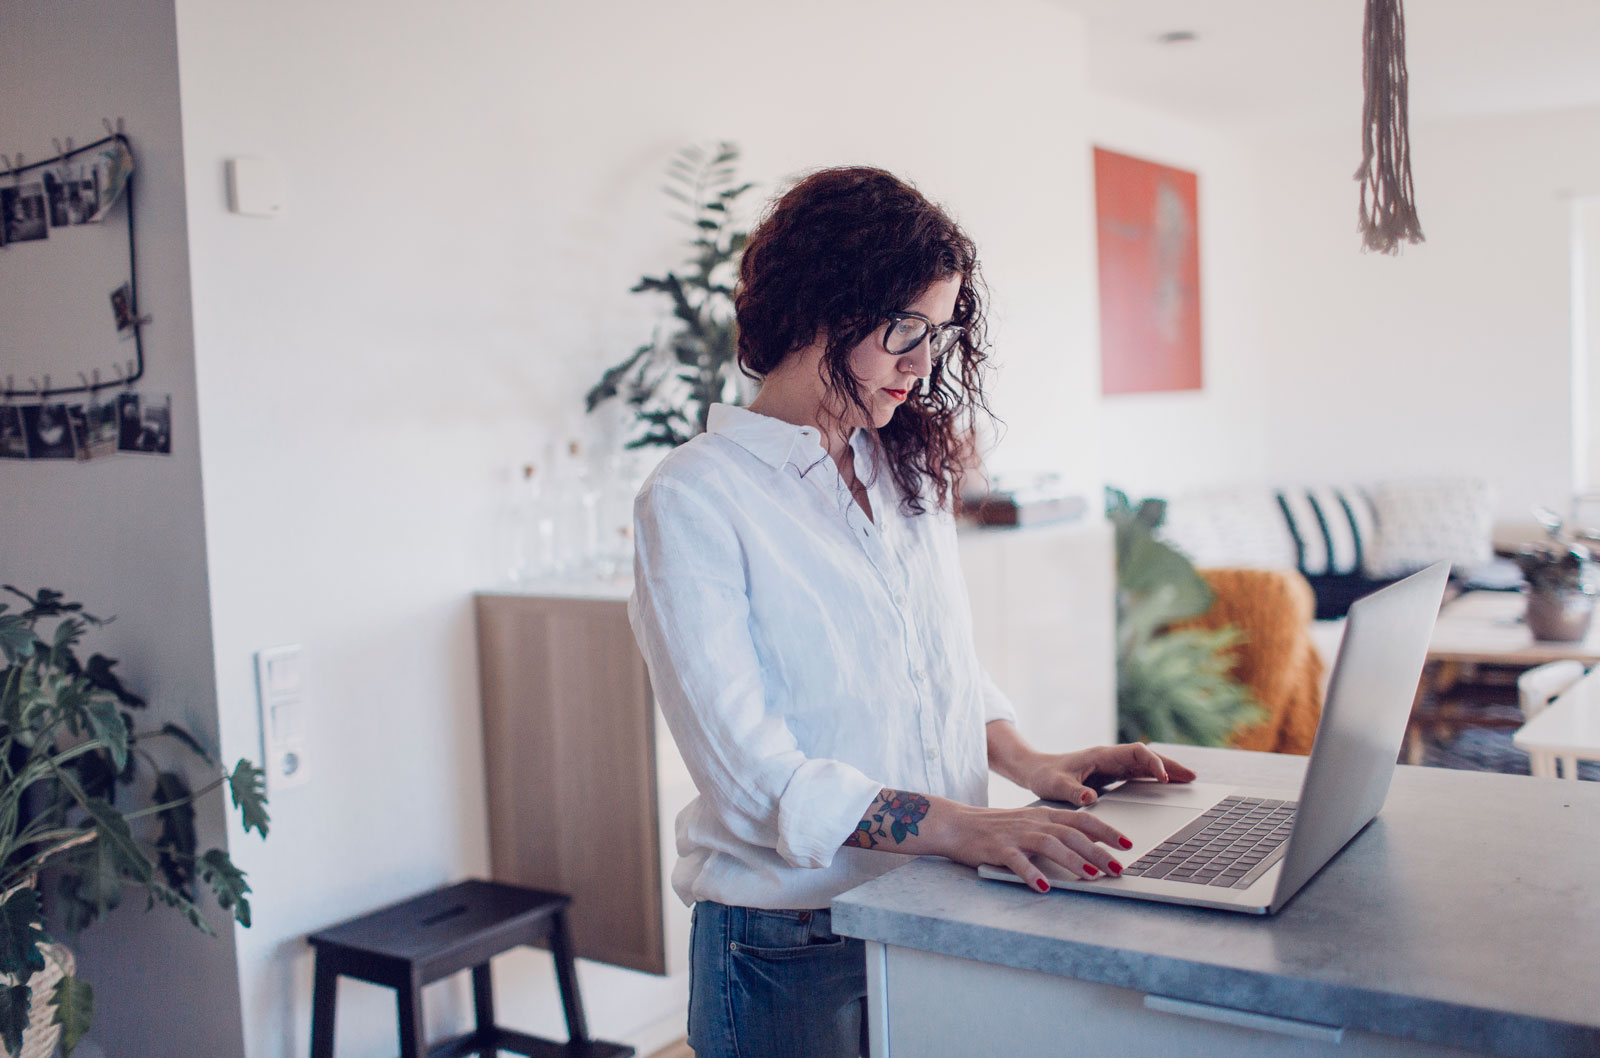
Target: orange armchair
(1277, 659)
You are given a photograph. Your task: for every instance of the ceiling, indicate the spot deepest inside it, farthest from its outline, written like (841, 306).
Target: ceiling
(1270, 62)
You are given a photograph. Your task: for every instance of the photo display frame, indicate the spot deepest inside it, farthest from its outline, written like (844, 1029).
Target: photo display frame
(68, 276)
(69, 302)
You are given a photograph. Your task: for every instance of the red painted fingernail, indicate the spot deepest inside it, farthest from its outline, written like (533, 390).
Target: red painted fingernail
(1125, 843)
(1091, 869)
(1085, 798)
(1114, 865)
(1044, 886)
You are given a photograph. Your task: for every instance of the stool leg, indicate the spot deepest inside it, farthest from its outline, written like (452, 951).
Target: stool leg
(324, 1002)
(567, 975)
(483, 1002)
(413, 1036)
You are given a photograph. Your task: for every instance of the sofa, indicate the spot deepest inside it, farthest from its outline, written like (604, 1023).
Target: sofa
(1346, 540)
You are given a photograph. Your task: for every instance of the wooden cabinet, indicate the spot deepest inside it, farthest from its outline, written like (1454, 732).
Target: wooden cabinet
(584, 781)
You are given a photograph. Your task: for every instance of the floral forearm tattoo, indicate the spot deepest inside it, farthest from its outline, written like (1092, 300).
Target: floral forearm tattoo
(892, 815)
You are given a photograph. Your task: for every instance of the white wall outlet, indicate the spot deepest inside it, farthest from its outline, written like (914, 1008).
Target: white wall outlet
(255, 187)
(281, 690)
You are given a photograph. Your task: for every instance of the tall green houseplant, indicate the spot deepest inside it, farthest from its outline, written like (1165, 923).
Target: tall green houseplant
(671, 381)
(71, 756)
(1172, 685)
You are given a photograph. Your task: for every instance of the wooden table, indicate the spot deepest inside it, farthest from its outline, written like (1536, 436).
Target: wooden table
(1567, 731)
(1480, 645)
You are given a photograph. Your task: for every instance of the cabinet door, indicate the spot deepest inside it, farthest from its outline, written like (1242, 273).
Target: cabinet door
(570, 761)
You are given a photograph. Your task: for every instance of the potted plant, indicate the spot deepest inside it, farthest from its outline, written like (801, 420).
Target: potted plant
(70, 755)
(671, 381)
(1173, 685)
(1561, 583)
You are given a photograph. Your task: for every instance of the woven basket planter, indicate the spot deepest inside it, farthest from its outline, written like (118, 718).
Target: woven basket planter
(40, 1038)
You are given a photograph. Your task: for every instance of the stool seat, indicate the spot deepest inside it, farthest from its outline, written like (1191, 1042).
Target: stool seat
(439, 933)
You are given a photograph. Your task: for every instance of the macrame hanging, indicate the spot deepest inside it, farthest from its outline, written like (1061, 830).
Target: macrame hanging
(1388, 206)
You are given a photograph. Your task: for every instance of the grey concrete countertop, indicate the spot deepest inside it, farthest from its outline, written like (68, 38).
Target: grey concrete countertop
(1467, 913)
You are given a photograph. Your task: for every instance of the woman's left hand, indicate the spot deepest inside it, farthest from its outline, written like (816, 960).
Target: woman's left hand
(1073, 777)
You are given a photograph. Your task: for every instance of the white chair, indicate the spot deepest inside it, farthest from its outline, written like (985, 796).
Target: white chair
(1536, 689)
(1539, 686)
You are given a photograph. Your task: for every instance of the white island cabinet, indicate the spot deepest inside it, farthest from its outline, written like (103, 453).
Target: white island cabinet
(1462, 921)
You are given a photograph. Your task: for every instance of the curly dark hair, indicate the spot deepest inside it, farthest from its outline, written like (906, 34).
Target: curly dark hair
(835, 255)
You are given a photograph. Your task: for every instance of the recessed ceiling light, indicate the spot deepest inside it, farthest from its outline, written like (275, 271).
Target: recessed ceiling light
(1178, 36)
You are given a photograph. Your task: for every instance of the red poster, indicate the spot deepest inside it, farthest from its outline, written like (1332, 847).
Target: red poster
(1149, 235)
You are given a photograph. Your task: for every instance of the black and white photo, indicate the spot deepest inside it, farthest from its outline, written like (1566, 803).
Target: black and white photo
(48, 430)
(22, 212)
(128, 422)
(72, 195)
(122, 306)
(143, 424)
(78, 424)
(13, 441)
(102, 428)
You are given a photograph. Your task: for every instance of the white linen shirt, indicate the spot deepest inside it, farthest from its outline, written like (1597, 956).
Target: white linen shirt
(804, 657)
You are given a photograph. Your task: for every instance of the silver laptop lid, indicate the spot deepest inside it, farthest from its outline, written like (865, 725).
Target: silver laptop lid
(1363, 721)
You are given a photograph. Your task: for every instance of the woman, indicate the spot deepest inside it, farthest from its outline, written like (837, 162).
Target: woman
(799, 603)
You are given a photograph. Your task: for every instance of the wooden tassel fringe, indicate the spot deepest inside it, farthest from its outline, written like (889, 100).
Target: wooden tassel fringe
(1388, 206)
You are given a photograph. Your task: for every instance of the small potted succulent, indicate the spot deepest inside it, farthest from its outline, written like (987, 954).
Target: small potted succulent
(1562, 582)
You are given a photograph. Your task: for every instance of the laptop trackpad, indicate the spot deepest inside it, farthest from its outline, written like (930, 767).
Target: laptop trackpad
(1146, 825)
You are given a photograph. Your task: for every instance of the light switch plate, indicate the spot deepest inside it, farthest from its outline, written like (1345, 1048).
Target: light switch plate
(255, 187)
(281, 694)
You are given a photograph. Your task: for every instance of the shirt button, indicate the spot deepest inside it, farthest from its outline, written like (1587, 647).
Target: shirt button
(919, 675)
(933, 754)
(899, 598)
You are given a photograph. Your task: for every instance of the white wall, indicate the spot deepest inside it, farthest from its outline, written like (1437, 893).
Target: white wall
(1157, 444)
(472, 189)
(1455, 356)
(1326, 364)
(125, 534)
(1586, 344)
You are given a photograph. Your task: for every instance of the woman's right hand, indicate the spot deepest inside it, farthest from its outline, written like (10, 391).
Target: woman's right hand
(1007, 837)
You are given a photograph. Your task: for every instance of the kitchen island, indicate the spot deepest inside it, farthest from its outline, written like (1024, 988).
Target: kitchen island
(1464, 920)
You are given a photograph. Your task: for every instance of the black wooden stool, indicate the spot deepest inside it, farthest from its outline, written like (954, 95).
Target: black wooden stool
(416, 942)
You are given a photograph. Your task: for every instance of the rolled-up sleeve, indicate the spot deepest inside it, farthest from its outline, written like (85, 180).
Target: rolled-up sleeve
(690, 613)
(996, 706)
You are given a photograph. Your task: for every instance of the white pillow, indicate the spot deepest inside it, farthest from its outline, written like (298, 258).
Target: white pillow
(1425, 520)
(1242, 527)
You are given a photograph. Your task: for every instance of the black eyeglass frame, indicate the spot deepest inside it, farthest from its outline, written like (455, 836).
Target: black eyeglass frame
(956, 330)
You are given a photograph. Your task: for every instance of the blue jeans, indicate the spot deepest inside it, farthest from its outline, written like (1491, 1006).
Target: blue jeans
(774, 984)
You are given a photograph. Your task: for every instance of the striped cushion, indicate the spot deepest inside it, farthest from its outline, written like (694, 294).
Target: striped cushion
(1332, 528)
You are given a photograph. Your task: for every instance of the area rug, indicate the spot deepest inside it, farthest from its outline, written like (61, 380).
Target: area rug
(1489, 749)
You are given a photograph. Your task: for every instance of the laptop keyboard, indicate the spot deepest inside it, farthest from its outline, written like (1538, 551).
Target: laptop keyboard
(1231, 845)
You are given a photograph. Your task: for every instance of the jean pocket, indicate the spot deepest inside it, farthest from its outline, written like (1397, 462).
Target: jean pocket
(772, 933)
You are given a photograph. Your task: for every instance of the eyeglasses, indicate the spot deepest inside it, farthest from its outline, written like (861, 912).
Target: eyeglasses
(906, 330)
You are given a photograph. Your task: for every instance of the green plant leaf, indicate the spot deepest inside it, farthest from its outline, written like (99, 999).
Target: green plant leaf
(89, 887)
(20, 935)
(14, 1003)
(74, 1002)
(185, 906)
(16, 638)
(118, 840)
(227, 882)
(248, 784)
(106, 724)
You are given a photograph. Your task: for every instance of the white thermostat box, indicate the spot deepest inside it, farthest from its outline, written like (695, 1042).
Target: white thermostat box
(255, 187)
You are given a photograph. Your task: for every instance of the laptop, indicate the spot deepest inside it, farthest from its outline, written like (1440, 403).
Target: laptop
(1250, 850)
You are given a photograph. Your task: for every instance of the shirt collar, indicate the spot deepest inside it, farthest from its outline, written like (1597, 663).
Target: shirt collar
(773, 441)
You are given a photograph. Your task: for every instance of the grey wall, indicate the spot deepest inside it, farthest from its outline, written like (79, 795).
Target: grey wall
(125, 534)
